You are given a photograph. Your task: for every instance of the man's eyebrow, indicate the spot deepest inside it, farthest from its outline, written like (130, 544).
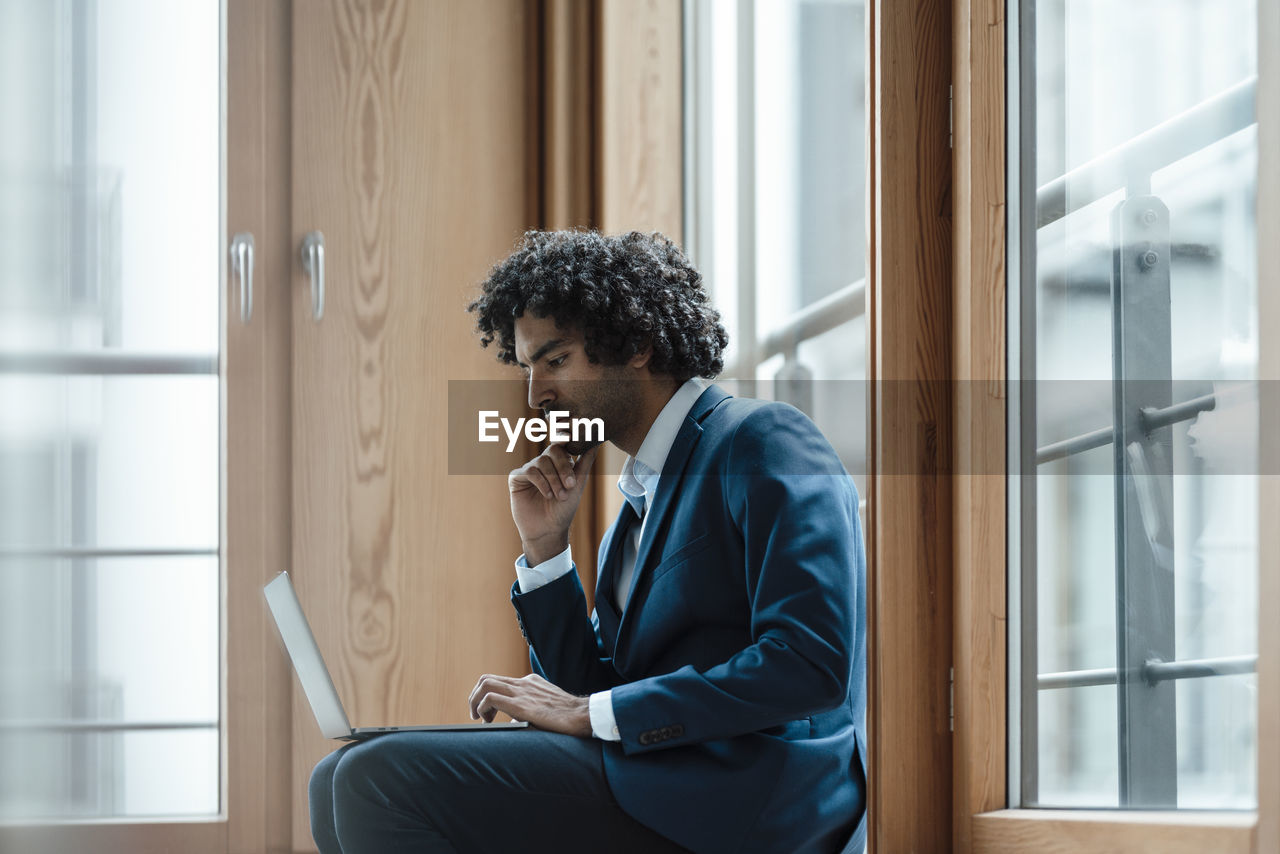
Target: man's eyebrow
(543, 350)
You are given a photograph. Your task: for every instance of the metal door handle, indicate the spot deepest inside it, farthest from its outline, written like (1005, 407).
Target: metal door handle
(313, 265)
(242, 266)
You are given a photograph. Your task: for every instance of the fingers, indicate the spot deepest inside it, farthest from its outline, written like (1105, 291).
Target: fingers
(488, 685)
(552, 473)
(563, 463)
(490, 704)
(583, 466)
(550, 469)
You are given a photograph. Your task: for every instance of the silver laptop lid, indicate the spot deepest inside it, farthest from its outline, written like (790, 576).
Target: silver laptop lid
(307, 661)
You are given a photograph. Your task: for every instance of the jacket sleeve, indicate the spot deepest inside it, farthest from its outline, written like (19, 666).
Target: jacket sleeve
(564, 644)
(797, 511)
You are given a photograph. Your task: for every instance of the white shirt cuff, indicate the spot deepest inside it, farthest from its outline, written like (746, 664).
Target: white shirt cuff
(604, 725)
(533, 577)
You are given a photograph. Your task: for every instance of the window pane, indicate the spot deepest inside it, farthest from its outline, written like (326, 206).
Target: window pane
(111, 254)
(777, 221)
(1144, 296)
(138, 774)
(134, 461)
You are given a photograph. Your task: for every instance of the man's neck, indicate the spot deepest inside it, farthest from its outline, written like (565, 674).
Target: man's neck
(656, 394)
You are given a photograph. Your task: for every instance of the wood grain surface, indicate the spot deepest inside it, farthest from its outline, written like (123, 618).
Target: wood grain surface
(979, 561)
(411, 131)
(909, 507)
(1117, 832)
(257, 544)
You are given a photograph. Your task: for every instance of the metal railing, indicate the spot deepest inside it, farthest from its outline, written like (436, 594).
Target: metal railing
(1152, 418)
(1153, 672)
(815, 319)
(1165, 144)
(1142, 413)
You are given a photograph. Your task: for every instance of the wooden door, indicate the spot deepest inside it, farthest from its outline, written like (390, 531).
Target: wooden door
(412, 143)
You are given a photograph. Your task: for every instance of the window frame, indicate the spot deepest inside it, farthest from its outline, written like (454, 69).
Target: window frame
(985, 815)
(255, 724)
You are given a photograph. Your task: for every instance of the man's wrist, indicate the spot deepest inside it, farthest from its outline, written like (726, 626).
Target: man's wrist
(543, 549)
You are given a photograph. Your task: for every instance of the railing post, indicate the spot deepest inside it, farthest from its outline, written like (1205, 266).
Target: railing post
(1142, 374)
(793, 383)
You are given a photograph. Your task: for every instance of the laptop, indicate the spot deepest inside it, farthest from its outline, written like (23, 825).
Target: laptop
(315, 679)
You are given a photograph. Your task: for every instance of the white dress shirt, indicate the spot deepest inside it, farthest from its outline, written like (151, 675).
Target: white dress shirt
(638, 483)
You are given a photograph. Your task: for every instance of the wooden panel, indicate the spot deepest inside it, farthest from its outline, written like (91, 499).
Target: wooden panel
(978, 749)
(258, 796)
(1269, 433)
(131, 837)
(411, 126)
(909, 506)
(641, 116)
(1054, 831)
(568, 114)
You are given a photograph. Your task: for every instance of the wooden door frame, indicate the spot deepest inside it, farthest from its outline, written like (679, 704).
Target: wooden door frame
(257, 542)
(909, 586)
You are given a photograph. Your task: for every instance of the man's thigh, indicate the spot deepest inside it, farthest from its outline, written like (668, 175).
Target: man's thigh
(486, 791)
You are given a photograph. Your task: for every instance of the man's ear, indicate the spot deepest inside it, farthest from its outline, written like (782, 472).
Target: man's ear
(639, 360)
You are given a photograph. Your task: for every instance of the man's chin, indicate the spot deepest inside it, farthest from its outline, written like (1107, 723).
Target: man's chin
(577, 449)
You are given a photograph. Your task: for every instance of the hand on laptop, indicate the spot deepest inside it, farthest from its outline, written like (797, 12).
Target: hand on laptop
(532, 699)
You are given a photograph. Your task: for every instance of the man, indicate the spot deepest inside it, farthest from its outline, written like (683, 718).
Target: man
(715, 700)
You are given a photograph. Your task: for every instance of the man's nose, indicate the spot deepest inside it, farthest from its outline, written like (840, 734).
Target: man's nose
(541, 392)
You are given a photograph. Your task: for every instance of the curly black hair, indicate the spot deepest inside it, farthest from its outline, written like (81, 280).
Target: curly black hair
(625, 292)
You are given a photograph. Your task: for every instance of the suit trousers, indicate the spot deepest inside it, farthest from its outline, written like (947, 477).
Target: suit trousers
(505, 790)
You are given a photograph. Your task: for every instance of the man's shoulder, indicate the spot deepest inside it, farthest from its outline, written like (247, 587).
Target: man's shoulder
(748, 417)
(768, 435)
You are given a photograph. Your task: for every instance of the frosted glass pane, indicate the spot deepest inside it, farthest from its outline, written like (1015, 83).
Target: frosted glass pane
(109, 775)
(119, 639)
(111, 177)
(111, 243)
(118, 461)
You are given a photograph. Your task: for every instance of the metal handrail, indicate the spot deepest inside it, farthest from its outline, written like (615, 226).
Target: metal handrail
(814, 319)
(1153, 672)
(106, 363)
(1152, 419)
(1168, 142)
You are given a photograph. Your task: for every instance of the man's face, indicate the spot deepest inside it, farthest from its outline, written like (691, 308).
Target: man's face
(561, 377)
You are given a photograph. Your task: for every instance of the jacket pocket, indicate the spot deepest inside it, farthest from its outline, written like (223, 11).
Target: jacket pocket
(695, 546)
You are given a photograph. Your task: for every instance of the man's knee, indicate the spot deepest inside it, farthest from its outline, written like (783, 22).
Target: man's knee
(320, 796)
(369, 774)
(320, 788)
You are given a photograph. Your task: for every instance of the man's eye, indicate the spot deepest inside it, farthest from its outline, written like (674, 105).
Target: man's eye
(557, 362)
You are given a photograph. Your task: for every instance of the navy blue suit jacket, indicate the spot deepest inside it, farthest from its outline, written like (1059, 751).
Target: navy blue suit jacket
(738, 667)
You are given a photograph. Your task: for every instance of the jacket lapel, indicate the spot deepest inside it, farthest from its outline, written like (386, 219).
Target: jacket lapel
(668, 488)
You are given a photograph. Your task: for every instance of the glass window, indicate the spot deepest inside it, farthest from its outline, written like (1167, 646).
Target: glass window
(1137, 300)
(110, 260)
(775, 213)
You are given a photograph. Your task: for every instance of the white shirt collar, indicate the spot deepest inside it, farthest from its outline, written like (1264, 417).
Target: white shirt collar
(639, 476)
